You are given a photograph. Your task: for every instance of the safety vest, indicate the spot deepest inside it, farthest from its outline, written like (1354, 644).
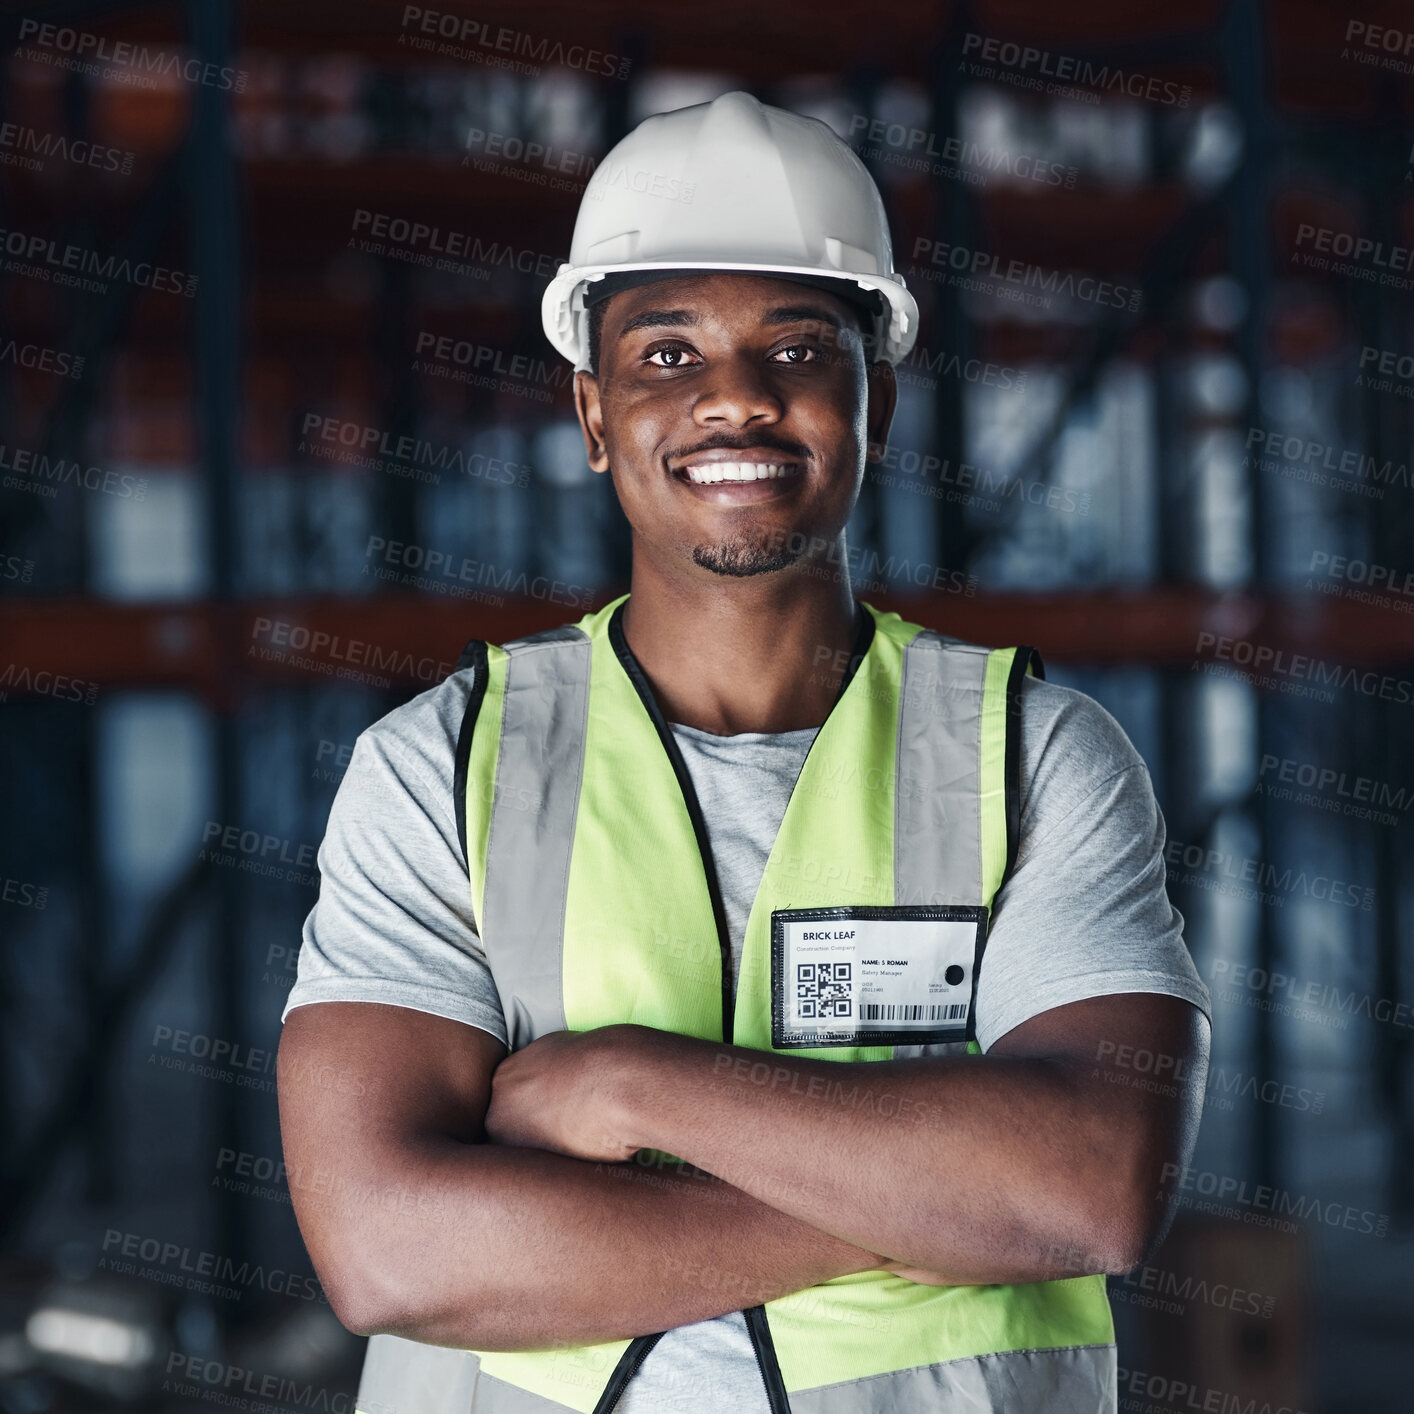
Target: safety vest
(597, 900)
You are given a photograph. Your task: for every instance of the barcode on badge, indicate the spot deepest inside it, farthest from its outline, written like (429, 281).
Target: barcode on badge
(893, 1011)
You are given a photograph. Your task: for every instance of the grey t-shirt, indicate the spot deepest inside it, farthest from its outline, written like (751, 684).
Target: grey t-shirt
(1084, 912)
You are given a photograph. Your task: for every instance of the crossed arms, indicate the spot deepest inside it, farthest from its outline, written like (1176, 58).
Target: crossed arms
(456, 1195)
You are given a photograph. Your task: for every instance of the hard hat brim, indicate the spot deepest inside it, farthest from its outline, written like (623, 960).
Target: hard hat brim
(564, 318)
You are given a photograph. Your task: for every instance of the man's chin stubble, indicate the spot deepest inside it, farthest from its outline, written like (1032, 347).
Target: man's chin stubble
(741, 558)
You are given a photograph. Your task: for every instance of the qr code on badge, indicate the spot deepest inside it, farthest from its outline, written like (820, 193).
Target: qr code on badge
(822, 990)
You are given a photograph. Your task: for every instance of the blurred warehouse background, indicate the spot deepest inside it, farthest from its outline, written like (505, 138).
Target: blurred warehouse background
(279, 431)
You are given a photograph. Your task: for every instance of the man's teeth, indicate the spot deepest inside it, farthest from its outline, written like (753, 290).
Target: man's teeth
(709, 472)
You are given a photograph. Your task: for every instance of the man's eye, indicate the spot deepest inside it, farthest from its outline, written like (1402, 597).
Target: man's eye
(798, 353)
(673, 358)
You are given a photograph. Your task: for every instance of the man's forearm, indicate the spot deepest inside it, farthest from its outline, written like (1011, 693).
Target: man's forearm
(948, 1164)
(985, 1169)
(520, 1249)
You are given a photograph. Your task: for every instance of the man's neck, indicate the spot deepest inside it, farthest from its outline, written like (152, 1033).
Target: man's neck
(742, 655)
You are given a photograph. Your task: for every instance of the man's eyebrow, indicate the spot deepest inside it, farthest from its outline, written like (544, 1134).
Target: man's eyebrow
(660, 318)
(686, 318)
(797, 313)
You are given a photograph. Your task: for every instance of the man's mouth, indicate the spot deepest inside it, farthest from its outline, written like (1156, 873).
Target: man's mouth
(709, 473)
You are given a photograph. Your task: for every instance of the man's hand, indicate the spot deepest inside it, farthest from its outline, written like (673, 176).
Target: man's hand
(389, 1101)
(916, 1274)
(557, 1093)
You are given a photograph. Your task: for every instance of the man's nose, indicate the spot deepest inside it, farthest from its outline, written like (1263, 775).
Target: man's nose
(739, 394)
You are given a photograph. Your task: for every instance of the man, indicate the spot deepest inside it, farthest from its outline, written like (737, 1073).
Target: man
(816, 938)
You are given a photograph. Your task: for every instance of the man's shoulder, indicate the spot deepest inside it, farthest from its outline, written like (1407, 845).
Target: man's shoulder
(423, 732)
(1063, 721)
(1070, 747)
(1051, 710)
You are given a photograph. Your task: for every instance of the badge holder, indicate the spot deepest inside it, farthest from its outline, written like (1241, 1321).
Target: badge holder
(875, 976)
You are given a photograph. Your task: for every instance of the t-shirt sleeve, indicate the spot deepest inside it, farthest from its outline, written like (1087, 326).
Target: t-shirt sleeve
(1085, 911)
(393, 922)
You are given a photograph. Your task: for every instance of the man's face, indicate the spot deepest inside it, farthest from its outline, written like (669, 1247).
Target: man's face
(711, 379)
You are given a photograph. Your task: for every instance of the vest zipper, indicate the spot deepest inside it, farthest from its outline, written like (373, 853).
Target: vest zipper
(756, 1324)
(864, 636)
(694, 809)
(760, 1333)
(626, 1369)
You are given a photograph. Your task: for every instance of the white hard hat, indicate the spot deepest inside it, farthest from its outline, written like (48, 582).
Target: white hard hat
(731, 185)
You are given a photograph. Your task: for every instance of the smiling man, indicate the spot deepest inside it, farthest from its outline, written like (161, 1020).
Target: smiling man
(734, 1000)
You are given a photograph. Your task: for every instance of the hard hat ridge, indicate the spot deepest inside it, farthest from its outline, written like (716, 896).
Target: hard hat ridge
(733, 184)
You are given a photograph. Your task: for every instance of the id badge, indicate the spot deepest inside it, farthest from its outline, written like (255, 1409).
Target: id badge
(875, 976)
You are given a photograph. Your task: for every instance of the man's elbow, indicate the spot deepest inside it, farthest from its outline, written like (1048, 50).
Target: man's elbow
(367, 1297)
(1118, 1243)
(1134, 1214)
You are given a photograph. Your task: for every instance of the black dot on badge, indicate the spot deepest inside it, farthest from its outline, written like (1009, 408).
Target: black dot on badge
(954, 975)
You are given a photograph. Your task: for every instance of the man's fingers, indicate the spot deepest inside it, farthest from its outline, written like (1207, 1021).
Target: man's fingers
(918, 1274)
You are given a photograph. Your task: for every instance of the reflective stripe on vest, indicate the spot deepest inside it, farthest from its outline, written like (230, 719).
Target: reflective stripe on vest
(597, 904)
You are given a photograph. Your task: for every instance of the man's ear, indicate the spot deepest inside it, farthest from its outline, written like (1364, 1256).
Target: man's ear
(591, 420)
(879, 413)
